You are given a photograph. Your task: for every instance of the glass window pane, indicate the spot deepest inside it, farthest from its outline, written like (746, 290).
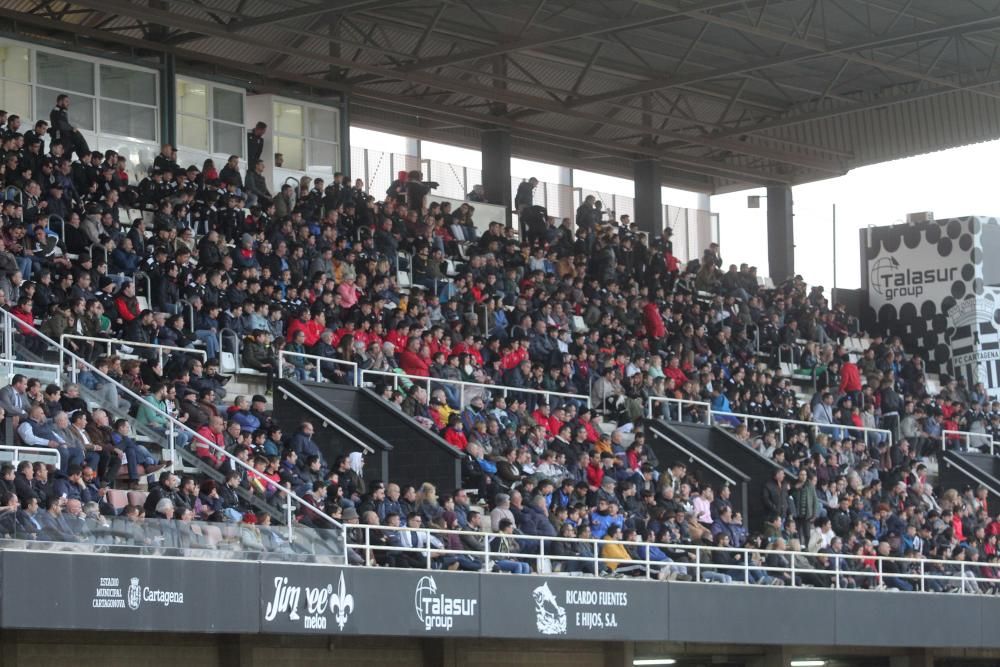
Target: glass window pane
(323, 124)
(128, 120)
(322, 155)
(81, 109)
(128, 84)
(193, 133)
(192, 98)
(288, 119)
(229, 139)
(292, 150)
(228, 105)
(67, 74)
(17, 99)
(15, 63)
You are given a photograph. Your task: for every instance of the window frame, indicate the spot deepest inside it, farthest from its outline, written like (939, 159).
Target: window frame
(96, 97)
(211, 119)
(305, 137)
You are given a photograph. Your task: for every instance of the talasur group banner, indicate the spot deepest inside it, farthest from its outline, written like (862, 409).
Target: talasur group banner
(330, 600)
(560, 607)
(76, 591)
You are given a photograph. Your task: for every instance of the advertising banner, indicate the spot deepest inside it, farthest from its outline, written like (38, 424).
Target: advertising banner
(915, 274)
(574, 608)
(314, 599)
(132, 593)
(975, 341)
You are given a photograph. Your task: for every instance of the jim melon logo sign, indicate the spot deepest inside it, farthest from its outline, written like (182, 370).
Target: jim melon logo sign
(319, 602)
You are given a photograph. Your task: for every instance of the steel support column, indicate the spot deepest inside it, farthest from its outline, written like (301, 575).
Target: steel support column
(780, 233)
(496, 167)
(168, 99)
(648, 199)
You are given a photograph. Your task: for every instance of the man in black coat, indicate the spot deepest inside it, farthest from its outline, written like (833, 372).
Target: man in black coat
(62, 129)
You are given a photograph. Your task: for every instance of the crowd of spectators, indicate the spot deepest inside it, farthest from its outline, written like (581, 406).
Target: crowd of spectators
(583, 307)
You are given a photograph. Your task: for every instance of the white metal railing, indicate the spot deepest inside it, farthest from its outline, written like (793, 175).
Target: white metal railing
(31, 454)
(13, 366)
(318, 361)
(9, 323)
(111, 342)
(711, 416)
(460, 386)
(972, 440)
(748, 565)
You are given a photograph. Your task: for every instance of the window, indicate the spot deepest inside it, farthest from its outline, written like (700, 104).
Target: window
(308, 136)
(57, 75)
(69, 75)
(128, 102)
(15, 79)
(210, 118)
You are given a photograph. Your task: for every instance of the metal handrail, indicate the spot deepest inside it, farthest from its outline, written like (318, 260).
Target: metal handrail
(171, 420)
(967, 436)
(702, 462)
(17, 449)
(326, 421)
(777, 420)
(111, 342)
(319, 360)
(492, 388)
(698, 562)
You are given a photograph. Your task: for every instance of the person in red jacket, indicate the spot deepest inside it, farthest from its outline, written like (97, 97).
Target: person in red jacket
(311, 326)
(653, 321)
(454, 434)
(673, 371)
(850, 379)
(213, 432)
(412, 361)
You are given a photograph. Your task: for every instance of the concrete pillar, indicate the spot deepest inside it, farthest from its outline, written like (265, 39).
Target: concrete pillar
(648, 197)
(780, 233)
(619, 654)
(915, 658)
(495, 144)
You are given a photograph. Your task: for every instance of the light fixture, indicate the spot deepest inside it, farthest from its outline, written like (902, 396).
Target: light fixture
(653, 661)
(807, 663)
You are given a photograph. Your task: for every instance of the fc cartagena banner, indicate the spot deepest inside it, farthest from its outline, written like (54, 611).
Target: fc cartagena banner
(560, 607)
(330, 600)
(74, 591)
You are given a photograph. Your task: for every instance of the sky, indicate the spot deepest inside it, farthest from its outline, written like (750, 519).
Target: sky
(957, 182)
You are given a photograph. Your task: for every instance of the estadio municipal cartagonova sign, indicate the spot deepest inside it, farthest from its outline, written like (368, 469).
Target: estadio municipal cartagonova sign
(128, 593)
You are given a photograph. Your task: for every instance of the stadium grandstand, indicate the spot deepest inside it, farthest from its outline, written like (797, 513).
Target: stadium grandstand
(267, 396)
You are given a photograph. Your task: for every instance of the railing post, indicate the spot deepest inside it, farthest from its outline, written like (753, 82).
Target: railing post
(792, 561)
(961, 572)
(881, 582)
(923, 573)
(173, 453)
(281, 366)
(288, 520)
(428, 550)
(697, 564)
(486, 554)
(595, 551)
(746, 566)
(781, 433)
(836, 571)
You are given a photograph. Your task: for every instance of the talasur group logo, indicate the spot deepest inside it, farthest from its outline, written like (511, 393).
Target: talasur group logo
(437, 610)
(550, 618)
(891, 280)
(883, 267)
